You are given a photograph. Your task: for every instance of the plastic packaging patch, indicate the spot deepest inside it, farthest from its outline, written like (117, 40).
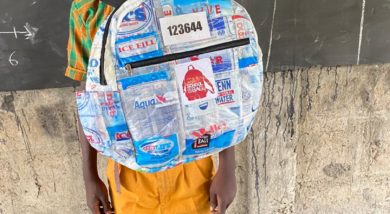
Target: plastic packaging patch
(189, 6)
(207, 139)
(135, 48)
(151, 107)
(226, 86)
(248, 56)
(220, 7)
(196, 81)
(156, 151)
(114, 117)
(92, 120)
(138, 21)
(221, 61)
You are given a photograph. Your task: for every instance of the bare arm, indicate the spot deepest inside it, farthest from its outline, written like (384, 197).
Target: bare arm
(96, 190)
(227, 160)
(89, 154)
(224, 187)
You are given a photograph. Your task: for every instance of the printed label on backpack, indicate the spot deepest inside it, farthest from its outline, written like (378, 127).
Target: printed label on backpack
(156, 150)
(136, 48)
(142, 79)
(92, 120)
(202, 142)
(123, 151)
(138, 21)
(84, 104)
(167, 7)
(221, 61)
(184, 28)
(243, 27)
(189, 6)
(226, 92)
(219, 27)
(196, 81)
(194, 114)
(249, 82)
(244, 127)
(205, 142)
(220, 7)
(212, 7)
(151, 105)
(247, 55)
(93, 136)
(113, 116)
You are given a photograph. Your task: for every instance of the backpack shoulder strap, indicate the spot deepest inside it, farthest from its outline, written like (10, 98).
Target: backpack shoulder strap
(114, 3)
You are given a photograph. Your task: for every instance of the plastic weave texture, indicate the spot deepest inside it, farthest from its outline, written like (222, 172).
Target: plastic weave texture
(155, 116)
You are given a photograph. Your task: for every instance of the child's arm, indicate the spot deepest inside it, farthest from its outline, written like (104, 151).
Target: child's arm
(96, 190)
(224, 187)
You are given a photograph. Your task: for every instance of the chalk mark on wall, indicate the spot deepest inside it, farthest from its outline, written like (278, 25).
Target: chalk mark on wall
(270, 36)
(13, 61)
(29, 32)
(361, 31)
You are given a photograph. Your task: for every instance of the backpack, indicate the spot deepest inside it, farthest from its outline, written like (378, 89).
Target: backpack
(171, 81)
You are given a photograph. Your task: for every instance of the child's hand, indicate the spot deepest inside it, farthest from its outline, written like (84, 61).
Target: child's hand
(97, 198)
(224, 187)
(223, 190)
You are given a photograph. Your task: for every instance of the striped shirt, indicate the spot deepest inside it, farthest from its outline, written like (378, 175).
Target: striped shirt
(85, 18)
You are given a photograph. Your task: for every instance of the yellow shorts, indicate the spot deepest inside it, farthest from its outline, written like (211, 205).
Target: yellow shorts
(181, 190)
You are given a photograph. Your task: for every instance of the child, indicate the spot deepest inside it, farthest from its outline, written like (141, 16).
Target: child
(191, 188)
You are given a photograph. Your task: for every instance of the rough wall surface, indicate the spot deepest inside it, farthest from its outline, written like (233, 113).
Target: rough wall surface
(321, 144)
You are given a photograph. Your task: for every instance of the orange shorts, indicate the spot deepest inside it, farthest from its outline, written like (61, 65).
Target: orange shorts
(181, 190)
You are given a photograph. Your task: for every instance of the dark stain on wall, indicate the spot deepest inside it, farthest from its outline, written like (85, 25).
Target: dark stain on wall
(8, 103)
(57, 120)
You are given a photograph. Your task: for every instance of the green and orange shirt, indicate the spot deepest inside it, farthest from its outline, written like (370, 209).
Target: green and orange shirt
(85, 18)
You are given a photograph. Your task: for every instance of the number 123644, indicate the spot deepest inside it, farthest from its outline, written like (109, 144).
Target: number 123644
(180, 29)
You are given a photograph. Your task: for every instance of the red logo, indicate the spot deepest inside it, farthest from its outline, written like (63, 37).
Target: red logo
(122, 136)
(211, 130)
(215, 60)
(161, 99)
(141, 44)
(89, 138)
(196, 85)
(209, 9)
(241, 30)
(167, 10)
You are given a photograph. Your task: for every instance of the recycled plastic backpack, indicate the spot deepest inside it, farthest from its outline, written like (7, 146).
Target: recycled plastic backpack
(171, 81)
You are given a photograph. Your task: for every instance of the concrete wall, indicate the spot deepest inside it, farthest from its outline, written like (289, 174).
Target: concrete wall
(321, 144)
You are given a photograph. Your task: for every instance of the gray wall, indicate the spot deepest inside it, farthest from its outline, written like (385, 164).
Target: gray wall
(321, 32)
(320, 144)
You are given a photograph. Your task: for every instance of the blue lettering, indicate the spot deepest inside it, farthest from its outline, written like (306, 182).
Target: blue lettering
(144, 104)
(224, 99)
(93, 63)
(140, 14)
(224, 84)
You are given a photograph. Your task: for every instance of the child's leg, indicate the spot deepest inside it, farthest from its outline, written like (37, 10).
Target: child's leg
(181, 190)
